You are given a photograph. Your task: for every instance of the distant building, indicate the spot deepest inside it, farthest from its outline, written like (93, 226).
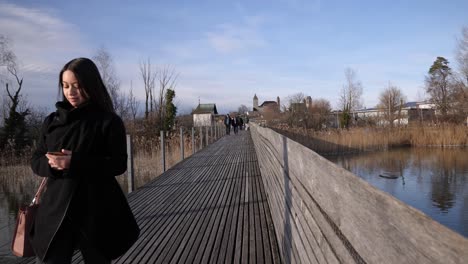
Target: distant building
(204, 115)
(303, 106)
(266, 106)
(410, 112)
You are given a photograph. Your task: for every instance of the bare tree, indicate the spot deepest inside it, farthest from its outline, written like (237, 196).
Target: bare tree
(391, 103)
(461, 83)
(350, 97)
(296, 111)
(242, 109)
(105, 64)
(167, 78)
(462, 55)
(133, 103)
(148, 76)
(14, 131)
(351, 92)
(319, 112)
(7, 56)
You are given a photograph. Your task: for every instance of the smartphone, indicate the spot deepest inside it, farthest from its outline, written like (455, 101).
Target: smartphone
(57, 153)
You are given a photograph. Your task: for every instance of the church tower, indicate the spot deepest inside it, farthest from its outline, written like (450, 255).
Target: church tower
(308, 102)
(255, 103)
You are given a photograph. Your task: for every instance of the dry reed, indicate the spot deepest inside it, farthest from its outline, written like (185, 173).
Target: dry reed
(17, 179)
(355, 140)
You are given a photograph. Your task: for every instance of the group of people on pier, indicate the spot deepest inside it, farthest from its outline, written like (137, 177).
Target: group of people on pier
(236, 122)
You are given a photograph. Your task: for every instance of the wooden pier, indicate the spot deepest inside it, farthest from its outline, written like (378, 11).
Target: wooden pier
(209, 208)
(260, 197)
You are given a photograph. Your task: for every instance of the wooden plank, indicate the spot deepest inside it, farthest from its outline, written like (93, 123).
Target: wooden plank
(270, 227)
(229, 245)
(245, 227)
(180, 225)
(188, 241)
(200, 244)
(194, 238)
(226, 211)
(152, 231)
(223, 236)
(170, 224)
(296, 226)
(210, 242)
(262, 220)
(259, 258)
(237, 251)
(179, 246)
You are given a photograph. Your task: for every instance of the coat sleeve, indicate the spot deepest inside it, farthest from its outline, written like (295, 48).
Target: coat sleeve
(113, 162)
(39, 162)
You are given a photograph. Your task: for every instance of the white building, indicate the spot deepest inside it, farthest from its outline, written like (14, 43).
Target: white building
(204, 115)
(411, 111)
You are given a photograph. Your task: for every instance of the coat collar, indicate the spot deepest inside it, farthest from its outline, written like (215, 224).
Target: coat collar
(66, 112)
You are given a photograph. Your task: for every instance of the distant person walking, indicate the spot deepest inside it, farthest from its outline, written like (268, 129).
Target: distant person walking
(81, 148)
(246, 123)
(227, 123)
(236, 124)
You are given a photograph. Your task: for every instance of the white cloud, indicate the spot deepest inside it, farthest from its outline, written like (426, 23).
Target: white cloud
(230, 38)
(42, 42)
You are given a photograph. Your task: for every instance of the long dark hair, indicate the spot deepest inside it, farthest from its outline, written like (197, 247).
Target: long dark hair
(89, 81)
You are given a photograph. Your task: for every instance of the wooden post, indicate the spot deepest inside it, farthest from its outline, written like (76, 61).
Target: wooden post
(211, 134)
(163, 152)
(201, 138)
(130, 177)
(181, 143)
(193, 140)
(207, 141)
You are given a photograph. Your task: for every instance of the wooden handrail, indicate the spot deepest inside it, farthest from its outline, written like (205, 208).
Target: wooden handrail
(325, 214)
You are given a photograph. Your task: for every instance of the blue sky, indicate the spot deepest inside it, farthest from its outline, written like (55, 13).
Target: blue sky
(227, 51)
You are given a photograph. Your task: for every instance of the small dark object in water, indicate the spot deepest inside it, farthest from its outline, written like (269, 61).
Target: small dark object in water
(387, 175)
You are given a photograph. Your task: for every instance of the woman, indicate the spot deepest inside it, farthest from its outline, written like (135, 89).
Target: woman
(81, 150)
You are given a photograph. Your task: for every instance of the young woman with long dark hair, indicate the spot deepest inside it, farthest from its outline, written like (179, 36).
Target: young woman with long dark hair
(81, 150)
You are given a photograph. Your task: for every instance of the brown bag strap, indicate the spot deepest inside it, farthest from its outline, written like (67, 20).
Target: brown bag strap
(39, 192)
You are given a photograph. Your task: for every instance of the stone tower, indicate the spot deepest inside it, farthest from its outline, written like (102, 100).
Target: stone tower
(278, 102)
(255, 103)
(308, 102)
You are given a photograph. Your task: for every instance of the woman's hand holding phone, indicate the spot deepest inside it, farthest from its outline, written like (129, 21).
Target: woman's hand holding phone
(59, 160)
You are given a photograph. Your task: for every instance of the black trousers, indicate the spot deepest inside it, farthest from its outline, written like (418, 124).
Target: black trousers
(66, 241)
(228, 129)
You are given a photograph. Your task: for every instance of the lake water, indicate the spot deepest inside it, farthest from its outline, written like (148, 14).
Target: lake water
(433, 180)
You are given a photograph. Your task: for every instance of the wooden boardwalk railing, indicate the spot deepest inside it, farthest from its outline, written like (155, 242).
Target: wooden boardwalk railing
(209, 208)
(325, 214)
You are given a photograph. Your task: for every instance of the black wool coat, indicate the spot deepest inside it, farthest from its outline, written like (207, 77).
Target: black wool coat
(87, 193)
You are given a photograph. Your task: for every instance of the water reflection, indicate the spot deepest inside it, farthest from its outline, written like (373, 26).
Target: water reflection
(432, 180)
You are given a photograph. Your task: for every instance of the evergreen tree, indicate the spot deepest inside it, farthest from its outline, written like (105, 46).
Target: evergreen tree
(14, 133)
(439, 86)
(171, 110)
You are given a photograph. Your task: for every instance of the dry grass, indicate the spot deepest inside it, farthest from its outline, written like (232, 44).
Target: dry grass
(17, 178)
(369, 139)
(148, 157)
